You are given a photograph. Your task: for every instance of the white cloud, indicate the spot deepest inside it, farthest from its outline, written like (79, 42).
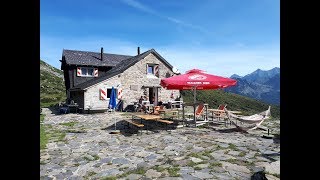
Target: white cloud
(147, 9)
(139, 6)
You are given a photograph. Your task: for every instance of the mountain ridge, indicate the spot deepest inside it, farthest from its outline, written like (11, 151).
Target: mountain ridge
(263, 85)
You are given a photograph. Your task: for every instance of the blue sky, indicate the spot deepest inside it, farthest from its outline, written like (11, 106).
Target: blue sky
(222, 37)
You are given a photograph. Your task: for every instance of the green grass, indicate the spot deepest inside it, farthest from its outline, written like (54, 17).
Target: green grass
(76, 131)
(55, 135)
(173, 171)
(201, 154)
(196, 155)
(109, 178)
(240, 162)
(43, 134)
(95, 157)
(42, 118)
(52, 88)
(141, 171)
(215, 164)
(159, 168)
(207, 153)
(89, 174)
(241, 154)
(219, 147)
(47, 133)
(69, 124)
(232, 161)
(201, 127)
(61, 136)
(123, 168)
(235, 102)
(233, 147)
(191, 164)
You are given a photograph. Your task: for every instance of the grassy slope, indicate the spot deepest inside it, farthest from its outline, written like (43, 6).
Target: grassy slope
(235, 102)
(52, 88)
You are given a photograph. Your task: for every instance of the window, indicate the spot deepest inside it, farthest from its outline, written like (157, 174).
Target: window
(153, 69)
(87, 71)
(109, 92)
(90, 71)
(150, 69)
(106, 93)
(84, 71)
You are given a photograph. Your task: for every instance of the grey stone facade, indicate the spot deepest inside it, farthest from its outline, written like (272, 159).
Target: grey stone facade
(132, 82)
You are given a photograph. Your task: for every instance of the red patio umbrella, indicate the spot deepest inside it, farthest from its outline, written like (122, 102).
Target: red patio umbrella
(196, 79)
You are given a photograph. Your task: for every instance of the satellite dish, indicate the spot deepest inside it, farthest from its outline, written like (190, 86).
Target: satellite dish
(175, 70)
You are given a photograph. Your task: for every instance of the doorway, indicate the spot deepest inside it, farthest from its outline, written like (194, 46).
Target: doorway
(153, 95)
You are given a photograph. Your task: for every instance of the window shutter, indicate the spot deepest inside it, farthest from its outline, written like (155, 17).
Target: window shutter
(146, 68)
(95, 72)
(119, 93)
(103, 94)
(156, 70)
(78, 71)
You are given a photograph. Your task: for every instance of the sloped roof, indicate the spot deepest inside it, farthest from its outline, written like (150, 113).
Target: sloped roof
(120, 68)
(74, 57)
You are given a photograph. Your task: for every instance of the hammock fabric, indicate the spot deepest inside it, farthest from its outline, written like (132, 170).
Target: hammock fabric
(252, 121)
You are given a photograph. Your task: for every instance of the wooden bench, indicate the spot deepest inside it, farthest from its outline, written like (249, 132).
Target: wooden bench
(166, 122)
(138, 125)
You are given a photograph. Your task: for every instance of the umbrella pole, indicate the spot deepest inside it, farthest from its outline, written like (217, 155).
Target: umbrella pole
(115, 125)
(194, 105)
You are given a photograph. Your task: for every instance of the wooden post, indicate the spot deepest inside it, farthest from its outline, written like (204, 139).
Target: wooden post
(194, 105)
(183, 115)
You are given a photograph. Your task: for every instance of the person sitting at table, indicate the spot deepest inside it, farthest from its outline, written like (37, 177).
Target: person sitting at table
(157, 109)
(141, 107)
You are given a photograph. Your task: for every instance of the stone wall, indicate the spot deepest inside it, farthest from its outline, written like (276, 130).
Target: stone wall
(132, 81)
(92, 94)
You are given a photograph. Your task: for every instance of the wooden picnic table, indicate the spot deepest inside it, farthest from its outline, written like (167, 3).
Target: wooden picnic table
(148, 117)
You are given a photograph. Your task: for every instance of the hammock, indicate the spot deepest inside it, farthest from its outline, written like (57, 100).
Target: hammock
(252, 122)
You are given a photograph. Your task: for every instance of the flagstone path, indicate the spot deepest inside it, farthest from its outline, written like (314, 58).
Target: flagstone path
(80, 147)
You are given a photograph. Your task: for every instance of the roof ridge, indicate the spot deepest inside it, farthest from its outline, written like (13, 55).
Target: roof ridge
(95, 52)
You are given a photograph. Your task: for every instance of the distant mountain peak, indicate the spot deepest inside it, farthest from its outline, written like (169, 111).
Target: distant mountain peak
(235, 76)
(260, 84)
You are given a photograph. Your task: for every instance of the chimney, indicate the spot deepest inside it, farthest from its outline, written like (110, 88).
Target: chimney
(138, 50)
(101, 55)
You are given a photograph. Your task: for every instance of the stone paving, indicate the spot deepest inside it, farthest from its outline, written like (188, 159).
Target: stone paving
(81, 147)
